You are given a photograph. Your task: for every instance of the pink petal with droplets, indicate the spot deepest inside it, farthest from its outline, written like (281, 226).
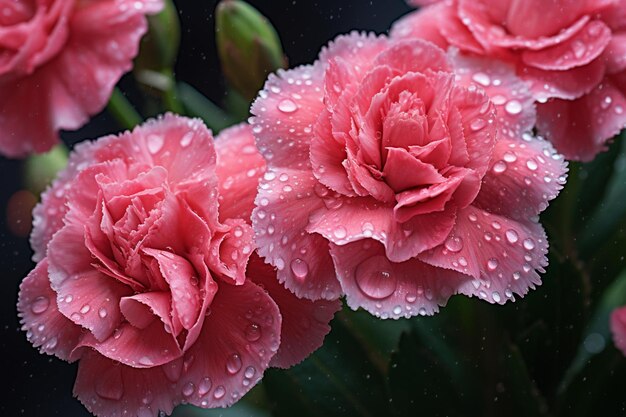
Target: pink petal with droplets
(46, 328)
(294, 98)
(391, 290)
(581, 49)
(85, 290)
(580, 129)
(524, 175)
(352, 219)
(424, 24)
(510, 95)
(239, 167)
(280, 220)
(501, 254)
(566, 85)
(304, 323)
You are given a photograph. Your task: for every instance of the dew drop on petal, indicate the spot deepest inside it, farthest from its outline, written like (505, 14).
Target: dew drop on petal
(189, 389)
(513, 107)
(233, 364)
(253, 332)
(375, 278)
(529, 244)
(454, 244)
(287, 106)
(40, 304)
(300, 269)
(512, 236)
(205, 386)
(219, 392)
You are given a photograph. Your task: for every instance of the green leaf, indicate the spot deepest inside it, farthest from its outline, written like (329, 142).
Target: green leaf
(337, 380)
(612, 208)
(597, 334)
(198, 105)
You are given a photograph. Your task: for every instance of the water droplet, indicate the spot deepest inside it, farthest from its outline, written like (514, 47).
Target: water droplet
(146, 361)
(482, 78)
(287, 106)
(250, 371)
(85, 309)
(219, 392)
(189, 389)
(173, 369)
(155, 143)
(499, 167)
(40, 304)
(512, 236)
(516, 275)
(510, 157)
(375, 279)
(102, 312)
(186, 139)
(492, 264)
(253, 332)
(410, 298)
(340, 232)
(513, 107)
(299, 268)
(529, 244)
(233, 364)
(532, 165)
(454, 244)
(397, 310)
(205, 386)
(496, 296)
(477, 124)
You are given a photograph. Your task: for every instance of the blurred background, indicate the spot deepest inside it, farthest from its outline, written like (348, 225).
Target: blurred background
(550, 354)
(37, 385)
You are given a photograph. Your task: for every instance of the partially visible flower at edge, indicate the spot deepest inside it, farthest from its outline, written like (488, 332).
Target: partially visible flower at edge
(618, 328)
(572, 53)
(397, 179)
(147, 275)
(60, 60)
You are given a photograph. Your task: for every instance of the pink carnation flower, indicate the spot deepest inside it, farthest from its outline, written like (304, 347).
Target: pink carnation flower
(400, 183)
(571, 52)
(143, 277)
(618, 327)
(59, 62)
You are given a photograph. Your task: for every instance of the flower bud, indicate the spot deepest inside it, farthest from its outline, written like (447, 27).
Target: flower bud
(40, 170)
(248, 46)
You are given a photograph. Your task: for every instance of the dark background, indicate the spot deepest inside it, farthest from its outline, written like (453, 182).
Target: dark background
(36, 385)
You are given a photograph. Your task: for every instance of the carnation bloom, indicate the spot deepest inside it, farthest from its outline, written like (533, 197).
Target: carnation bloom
(571, 52)
(399, 182)
(618, 328)
(143, 277)
(59, 62)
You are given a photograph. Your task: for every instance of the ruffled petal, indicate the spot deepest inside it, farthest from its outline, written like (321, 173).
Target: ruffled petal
(580, 129)
(581, 49)
(348, 220)
(501, 254)
(84, 295)
(566, 85)
(46, 328)
(287, 108)
(305, 323)
(510, 95)
(524, 175)
(285, 199)
(392, 290)
(239, 167)
(108, 389)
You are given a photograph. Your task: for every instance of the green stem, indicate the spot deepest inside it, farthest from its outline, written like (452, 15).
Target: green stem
(123, 111)
(171, 96)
